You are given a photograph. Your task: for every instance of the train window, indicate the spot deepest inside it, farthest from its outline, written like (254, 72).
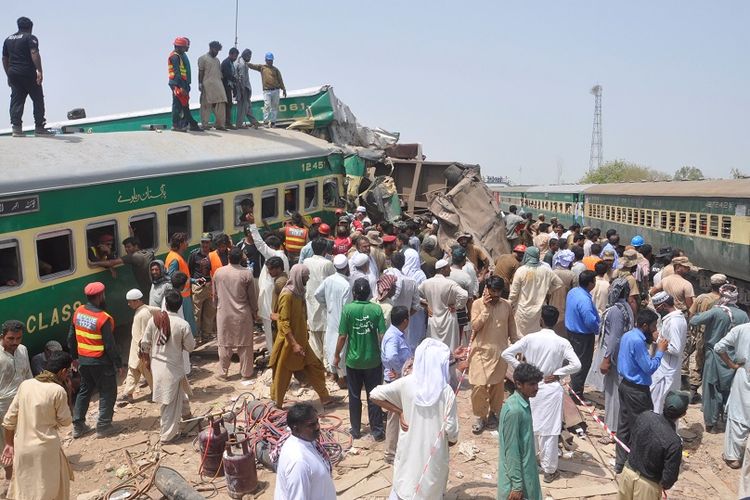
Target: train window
(726, 228)
(331, 193)
(663, 220)
(649, 218)
(101, 241)
(693, 224)
(672, 221)
(10, 265)
(641, 217)
(682, 222)
(213, 216)
(269, 208)
(703, 224)
(311, 195)
(243, 204)
(54, 254)
(291, 199)
(714, 226)
(178, 221)
(143, 227)
(629, 215)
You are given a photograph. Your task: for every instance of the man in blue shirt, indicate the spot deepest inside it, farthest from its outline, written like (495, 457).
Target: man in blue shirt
(635, 365)
(394, 352)
(582, 324)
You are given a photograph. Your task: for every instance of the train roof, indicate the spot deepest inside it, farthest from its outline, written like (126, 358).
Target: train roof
(37, 164)
(560, 188)
(722, 188)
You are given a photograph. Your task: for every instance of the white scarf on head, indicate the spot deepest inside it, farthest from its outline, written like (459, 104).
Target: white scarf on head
(412, 266)
(430, 371)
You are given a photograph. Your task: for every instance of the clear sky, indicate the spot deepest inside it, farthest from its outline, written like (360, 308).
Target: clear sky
(502, 84)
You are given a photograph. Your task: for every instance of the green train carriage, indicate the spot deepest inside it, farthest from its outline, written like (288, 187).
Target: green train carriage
(564, 202)
(58, 195)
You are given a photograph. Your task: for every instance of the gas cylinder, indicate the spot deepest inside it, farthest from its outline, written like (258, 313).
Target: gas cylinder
(239, 469)
(212, 441)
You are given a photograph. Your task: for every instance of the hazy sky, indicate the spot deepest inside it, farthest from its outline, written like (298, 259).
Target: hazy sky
(502, 84)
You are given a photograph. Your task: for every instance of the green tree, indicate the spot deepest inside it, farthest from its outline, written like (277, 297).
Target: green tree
(688, 173)
(622, 171)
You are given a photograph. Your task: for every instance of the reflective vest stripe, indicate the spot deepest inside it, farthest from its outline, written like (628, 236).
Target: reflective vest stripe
(170, 67)
(294, 238)
(182, 266)
(88, 328)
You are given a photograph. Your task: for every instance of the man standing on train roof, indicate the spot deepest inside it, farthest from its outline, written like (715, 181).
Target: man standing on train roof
(23, 67)
(229, 80)
(213, 96)
(244, 91)
(272, 84)
(179, 83)
(14, 369)
(92, 343)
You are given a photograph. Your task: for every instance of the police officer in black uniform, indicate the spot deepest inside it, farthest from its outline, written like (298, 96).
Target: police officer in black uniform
(23, 66)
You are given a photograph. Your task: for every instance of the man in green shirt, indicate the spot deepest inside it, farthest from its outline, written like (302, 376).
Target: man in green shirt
(517, 477)
(362, 324)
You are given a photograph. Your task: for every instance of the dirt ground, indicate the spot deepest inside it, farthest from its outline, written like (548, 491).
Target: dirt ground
(586, 471)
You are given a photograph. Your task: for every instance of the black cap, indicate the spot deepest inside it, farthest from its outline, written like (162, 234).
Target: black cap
(664, 252)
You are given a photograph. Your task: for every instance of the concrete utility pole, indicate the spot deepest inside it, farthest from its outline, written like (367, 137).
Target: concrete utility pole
(595, 160)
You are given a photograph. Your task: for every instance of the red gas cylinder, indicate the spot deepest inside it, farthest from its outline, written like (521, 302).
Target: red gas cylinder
(212, 441)
(239, 468)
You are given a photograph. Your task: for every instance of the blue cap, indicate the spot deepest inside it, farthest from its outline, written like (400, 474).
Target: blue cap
(269, 56)
(637, 240)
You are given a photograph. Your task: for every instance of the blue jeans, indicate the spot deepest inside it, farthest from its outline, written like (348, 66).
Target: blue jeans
(370, 378)
(270, 105)
(103, 378)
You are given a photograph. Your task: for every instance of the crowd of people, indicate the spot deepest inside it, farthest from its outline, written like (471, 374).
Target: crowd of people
(386, 308)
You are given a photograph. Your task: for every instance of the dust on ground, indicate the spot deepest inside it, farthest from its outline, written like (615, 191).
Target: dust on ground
(586, 470)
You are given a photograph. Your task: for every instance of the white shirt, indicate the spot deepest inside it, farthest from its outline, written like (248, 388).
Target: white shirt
(667, 376)
(425, 422)
(265, 282)
(320, 268)
(302, 474)
(14, 369)
(547, 351)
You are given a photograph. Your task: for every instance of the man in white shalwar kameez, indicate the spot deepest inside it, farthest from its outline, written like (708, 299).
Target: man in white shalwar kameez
(673, 328)
(363, 248)
(32, 434)
(136, 365)
(555, 358)
(333, 294)
(265, 281)
(426, 408)
(320, 268)
(444, 297)
(532, 283)
(737, 432)
(166, 337)
(14, 368)
(418, 320)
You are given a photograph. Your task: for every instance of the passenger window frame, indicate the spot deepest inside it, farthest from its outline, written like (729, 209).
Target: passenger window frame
(335, 202)
(295, 189)
(116, 243)
(269, 193)
(237, 208)
(220, 203)
(143, 216)
(180, 209)
(73, 262)
(10, 243)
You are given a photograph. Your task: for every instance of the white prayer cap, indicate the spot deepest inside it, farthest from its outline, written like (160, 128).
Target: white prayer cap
(134, 294)
(340, 261)
(441, 264)
(660, 298)
(362, 209)
(360, 260)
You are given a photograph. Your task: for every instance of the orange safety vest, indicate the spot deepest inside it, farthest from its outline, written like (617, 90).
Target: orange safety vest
(182, 265)
(213, 257)
(88, 326)
(295, 238)
(172, 71)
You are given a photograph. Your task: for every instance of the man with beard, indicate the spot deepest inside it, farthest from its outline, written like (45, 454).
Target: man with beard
(674, 330)
(92, 343)
(636, 365)
(199, 265)
(14, 368)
